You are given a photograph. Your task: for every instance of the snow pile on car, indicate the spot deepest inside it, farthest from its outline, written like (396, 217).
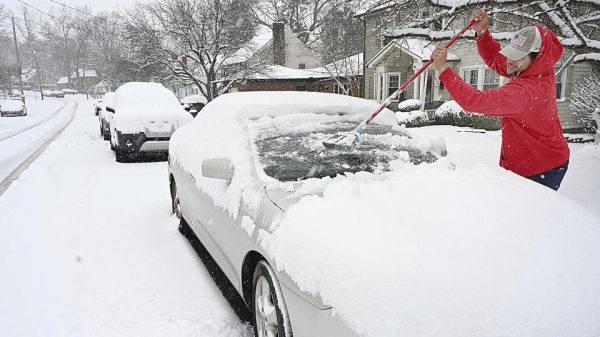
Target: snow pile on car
(228, 116)
(435, 252)
(11, 105)
(136, 103)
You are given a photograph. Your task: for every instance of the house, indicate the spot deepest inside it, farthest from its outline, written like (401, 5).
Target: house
(278, 61)
(391, 58)
(275, 59)
(340, 77)
(31, 81)
(82, 80)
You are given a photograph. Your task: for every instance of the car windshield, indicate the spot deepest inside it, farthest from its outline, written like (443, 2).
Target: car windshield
(288, 155)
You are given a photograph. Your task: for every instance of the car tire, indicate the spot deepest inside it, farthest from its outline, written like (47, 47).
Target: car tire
(270, 313)
(106, 135)
(120, 156)
(175, 204)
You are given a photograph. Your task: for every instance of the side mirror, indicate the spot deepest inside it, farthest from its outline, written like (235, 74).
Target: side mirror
(218, 168)
(109, 109)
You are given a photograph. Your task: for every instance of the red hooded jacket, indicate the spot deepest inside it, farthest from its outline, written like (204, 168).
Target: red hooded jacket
(532, 138)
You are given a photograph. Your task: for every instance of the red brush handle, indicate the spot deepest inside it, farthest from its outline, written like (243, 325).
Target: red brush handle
(410, 80)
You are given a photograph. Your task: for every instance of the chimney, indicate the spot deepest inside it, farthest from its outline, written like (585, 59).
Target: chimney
(279, 43)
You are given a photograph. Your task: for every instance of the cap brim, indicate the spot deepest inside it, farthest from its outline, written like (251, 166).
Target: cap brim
(513, 53)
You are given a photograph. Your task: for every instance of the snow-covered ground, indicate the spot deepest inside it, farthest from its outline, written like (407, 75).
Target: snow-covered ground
(468, 147)
(89, 248)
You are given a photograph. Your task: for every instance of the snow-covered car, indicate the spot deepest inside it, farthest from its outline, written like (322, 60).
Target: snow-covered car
(98, 106)
(144, 116)
(104, 116)
(193, 103)
(388, 239)
(69, 91)
(12, 107)
(53, 93)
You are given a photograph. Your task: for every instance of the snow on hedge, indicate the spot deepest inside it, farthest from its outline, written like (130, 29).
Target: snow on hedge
(410, 105)
(416, 117)
(450, 108)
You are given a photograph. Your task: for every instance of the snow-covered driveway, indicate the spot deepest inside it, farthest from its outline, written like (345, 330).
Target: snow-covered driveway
(88, 247)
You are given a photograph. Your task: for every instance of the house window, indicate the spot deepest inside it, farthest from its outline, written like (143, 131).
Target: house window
(302, 66)
(393, 82)
(491, 80)
(471, 76)
(345, 90)
(560, 82)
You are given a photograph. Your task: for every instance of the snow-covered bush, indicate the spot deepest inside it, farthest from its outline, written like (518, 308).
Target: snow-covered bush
(450, 113)
(412, 118)
(585, 99)
(409, 105)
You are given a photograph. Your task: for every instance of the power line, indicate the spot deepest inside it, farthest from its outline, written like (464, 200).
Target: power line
(39, 10)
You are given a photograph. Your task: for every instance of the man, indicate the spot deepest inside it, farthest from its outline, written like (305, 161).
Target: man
(533, 144)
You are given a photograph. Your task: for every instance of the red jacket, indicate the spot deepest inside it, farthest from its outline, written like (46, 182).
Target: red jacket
(532, 138)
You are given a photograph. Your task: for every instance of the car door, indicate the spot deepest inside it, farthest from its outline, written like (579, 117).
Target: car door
(215, 226)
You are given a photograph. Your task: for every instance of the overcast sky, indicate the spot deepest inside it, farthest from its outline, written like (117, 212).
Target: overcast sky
(47, 5)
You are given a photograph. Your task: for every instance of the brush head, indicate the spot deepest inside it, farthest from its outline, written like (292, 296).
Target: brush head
(342, 141)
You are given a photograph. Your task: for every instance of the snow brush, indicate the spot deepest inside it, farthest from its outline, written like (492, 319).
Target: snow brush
(347, 140)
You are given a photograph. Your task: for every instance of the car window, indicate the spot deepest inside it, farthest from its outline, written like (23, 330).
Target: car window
(289, 155)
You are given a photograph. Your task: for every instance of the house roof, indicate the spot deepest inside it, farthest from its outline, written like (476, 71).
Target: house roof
(416, 48)
(263, 36)
(85, 73)
(272, 72)
(347, 67)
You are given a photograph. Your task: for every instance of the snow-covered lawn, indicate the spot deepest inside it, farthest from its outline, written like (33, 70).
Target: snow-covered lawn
(88, 247)
(469, 147)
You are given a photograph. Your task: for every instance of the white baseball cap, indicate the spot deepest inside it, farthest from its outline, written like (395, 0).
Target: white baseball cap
(527, 40)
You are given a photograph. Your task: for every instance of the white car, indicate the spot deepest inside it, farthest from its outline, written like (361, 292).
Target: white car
(387, 239)
(12, 107)
(144, 116)
(104, 117)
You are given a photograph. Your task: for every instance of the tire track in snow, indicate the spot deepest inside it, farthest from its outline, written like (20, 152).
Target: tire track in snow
(14, 175)
(33, 125)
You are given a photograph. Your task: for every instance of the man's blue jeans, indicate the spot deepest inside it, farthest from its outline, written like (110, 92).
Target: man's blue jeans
(551, 178)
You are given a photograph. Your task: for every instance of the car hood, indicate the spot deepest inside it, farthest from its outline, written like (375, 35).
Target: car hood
(432, 252)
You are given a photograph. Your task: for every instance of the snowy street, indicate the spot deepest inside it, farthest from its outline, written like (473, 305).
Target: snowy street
(89, 248)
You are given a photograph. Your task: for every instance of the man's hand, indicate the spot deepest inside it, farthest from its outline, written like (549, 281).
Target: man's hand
(481, 21)
(439, 56)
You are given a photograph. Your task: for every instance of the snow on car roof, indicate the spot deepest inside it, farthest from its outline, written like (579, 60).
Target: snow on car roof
(11, 105)
(257, 104)
(194, 99)
(143, 94)
(222, 131)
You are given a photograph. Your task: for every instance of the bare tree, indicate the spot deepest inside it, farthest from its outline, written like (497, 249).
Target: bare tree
(190, 38)
(304, 17)
(576, 22)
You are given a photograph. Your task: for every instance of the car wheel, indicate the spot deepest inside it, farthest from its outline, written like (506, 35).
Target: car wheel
(175, 204)
(120, 156)
(270, 313)
(106, 135)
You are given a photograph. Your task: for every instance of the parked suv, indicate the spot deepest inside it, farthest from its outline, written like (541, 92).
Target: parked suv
(144, 115)
(104, 117)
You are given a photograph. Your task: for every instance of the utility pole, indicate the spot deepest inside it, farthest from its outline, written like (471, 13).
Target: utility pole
(18, 59)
